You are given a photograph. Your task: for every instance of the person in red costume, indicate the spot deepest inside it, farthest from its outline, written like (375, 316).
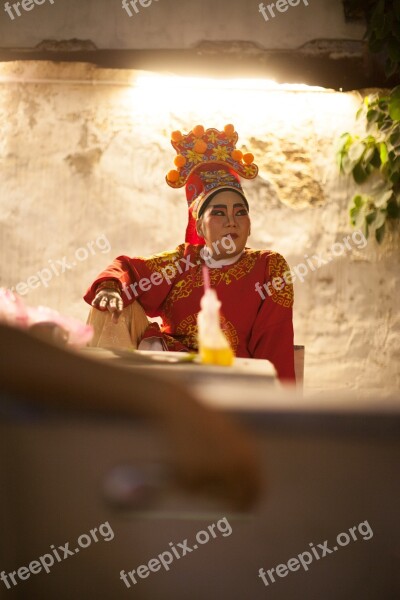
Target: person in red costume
(257, 299)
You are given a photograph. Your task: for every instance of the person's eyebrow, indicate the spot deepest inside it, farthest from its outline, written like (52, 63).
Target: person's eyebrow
(225, 206)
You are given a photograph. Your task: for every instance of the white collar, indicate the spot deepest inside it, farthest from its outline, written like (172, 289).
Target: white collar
(217, 264)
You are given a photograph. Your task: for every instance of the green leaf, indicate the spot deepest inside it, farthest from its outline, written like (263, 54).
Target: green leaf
(359, 174)
(359, 112)
(369, 169)
(382, 102)
(383, 153)
(394, 108)
(354, 212)
(377, 151)
(393, 210)
(368, 154)
(356, 151)
(381, 201)
(380, 233)
(395, 93)
(372, 115)
(345, 135)
(360, 220)
(347, 164)
(394, 177)
(391, 67)
(376, 159)
(386, 125)
(380, 219)
(396, 165)
(357, 211)
(395, 137)
(344, 142)
(370, 140)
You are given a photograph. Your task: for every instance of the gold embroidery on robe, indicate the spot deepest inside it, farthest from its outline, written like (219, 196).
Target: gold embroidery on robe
(187, 331)
(231, 333)
(162, 260)
(194, 278)
(278, 267)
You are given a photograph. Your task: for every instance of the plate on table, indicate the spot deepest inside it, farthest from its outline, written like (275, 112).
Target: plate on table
(145, 356)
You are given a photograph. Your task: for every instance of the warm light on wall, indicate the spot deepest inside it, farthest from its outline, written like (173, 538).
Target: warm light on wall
(171, 83)
(154, 101)
(242, 101)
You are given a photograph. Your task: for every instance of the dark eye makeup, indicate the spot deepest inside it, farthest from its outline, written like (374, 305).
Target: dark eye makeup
(220, 212)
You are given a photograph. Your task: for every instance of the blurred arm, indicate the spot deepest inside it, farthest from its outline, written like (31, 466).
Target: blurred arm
(208, 450)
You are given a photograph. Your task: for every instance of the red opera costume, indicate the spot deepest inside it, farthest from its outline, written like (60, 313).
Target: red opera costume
(170, 285)
(254, 327)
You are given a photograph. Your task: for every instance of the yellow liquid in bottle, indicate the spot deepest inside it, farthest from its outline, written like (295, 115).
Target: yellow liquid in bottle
(222, 357)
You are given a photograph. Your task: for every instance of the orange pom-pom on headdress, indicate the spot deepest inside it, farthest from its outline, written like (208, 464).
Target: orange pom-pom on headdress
(201, 147)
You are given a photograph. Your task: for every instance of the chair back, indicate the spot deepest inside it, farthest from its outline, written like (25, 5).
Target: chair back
(299, 365)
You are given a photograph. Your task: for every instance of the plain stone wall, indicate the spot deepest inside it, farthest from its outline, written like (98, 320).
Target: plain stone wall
(83, 154)
(170, 24)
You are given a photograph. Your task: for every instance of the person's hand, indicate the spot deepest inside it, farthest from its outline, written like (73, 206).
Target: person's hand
(212, 456)
(111, 300)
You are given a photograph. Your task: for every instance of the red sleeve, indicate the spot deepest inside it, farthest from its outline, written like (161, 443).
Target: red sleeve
(146, 279)
(272, 332)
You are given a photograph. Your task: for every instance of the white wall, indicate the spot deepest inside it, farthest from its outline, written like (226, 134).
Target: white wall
(169, 24)
(88, 158)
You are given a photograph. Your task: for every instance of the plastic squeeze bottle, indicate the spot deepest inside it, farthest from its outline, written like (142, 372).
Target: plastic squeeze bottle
(213, 346)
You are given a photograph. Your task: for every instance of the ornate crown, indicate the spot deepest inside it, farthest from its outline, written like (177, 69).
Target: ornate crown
(201, 147)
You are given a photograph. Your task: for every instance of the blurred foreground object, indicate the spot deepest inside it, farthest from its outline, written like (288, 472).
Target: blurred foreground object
(209, 453)
(44, 322)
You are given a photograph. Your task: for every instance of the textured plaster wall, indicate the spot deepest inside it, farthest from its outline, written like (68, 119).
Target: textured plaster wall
(176, 24)
(83, 154)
